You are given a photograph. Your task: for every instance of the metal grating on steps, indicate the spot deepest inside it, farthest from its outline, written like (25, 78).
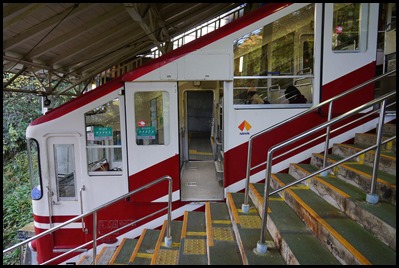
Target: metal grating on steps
(250, 222)
(223, 234)
(167, 257)
(195, 246)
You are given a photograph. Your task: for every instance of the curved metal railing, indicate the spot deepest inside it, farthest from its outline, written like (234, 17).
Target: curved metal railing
(245, 206)
(371, 197)
(168, 237)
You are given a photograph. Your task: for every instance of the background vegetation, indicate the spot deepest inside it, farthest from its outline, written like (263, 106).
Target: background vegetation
(19, 109)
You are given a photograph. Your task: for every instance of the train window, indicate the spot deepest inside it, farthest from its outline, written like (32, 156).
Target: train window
(271, 58)
(65, 171)
(152, 117)
(34, 169)
(103, 139)
(350, 24)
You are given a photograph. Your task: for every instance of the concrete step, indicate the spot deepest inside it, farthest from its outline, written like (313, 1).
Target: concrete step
(222, 245)
(377, 219)
(145, 247)
(387, 160)
(368, 139)
(168, 255)
(389, 129)
(123, 252)
(297, 243)
(105, 255)
(247, 227)
(193, 243)
(348, 241)
(360, 175)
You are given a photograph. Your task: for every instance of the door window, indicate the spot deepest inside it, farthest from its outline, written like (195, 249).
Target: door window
(350, 24)
(152, 118)
(65, 171)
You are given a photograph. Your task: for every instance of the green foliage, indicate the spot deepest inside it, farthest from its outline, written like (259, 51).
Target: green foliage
(19, 109)
(17, 204)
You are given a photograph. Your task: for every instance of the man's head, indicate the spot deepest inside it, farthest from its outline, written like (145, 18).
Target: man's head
(251, 90)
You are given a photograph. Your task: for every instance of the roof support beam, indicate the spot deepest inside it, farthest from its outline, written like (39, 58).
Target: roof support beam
(133, 10)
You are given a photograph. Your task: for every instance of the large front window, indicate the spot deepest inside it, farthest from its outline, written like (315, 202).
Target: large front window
(34, 168)
(274, 57)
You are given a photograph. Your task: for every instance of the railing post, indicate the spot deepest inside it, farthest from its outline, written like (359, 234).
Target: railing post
(261, 246)
(168, 237)
(372, 197)
(327, 142)
(245, 205)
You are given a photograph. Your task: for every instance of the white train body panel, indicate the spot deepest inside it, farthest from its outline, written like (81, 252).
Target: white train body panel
(206, 65)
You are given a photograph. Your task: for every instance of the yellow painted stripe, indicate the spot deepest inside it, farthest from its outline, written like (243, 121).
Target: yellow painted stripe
(159, 242)
(335, 189)
(174, 244)
(361, 158)
(184, 227)
(300, 187)
(144, 255)
(82, 259)
(324, 182)
(119, 248)
(389, 145)
(221, 221)
(199, 153)
(256, 193)
(136, 249)
(259, 197)
(251, 211)
(335, 170)
(233, 208)
(276, 198)
(100, 254)
(196, 233)
(368, 176)
(363, 260)
(209, 230)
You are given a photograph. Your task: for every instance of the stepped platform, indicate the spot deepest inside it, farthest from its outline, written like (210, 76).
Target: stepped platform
(324, 220)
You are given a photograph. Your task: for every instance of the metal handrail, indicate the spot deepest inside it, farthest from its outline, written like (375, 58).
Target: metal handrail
(245, 205)
(371, 197)
(168, 237)
(323, 135)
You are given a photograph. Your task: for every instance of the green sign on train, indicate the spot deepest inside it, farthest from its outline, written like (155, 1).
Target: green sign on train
(102, 133)
(146, 133)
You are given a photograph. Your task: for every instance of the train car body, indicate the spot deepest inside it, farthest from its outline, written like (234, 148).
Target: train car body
(185, 115)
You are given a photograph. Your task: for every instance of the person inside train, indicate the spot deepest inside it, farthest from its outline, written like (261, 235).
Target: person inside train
(293, 95)
(253, 96)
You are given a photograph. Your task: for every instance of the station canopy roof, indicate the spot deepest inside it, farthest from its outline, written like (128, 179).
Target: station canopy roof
(74, 42)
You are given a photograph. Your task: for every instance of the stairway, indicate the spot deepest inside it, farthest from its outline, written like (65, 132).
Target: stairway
(324, 220)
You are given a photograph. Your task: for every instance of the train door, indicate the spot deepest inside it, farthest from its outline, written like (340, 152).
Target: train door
(198, 122)
(64, 190)
(152, 128)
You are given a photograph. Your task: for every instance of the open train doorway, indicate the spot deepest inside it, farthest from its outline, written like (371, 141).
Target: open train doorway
(200, 179)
